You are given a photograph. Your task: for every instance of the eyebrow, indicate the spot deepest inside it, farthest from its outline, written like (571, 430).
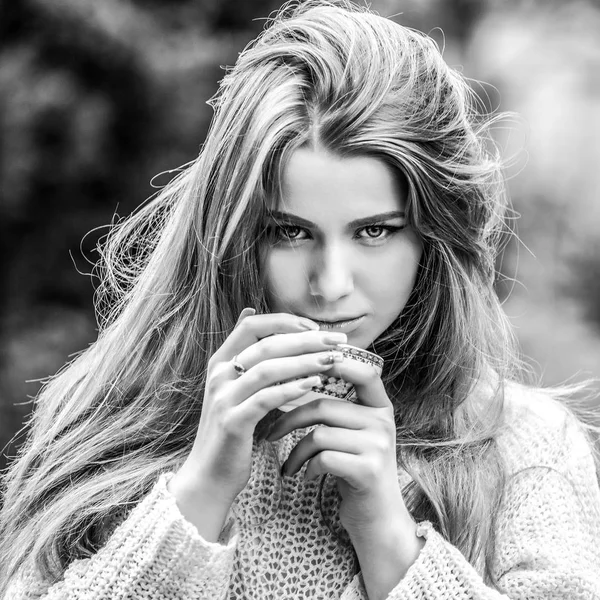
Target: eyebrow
(386, 216)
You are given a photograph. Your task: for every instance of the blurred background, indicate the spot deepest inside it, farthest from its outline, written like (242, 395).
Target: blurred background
(96, 98)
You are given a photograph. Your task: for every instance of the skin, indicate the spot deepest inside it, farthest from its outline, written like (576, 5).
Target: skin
(348, 270)
(345, 273)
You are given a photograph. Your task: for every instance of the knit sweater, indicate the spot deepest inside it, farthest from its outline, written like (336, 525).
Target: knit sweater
(280, 542)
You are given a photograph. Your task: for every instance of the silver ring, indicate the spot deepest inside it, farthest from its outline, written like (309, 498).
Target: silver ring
(240, 369)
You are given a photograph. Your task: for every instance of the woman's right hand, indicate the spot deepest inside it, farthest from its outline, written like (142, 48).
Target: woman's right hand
(218, 466)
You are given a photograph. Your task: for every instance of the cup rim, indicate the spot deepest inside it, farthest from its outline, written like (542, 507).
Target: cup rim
(361, 354)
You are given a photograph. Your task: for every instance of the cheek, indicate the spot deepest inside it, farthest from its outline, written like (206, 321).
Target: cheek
(283, 281)
(393, 278)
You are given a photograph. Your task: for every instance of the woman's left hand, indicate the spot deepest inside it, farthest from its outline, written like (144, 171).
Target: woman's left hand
(357, 444)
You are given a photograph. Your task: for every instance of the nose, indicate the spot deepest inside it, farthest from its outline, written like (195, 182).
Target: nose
(331, 277)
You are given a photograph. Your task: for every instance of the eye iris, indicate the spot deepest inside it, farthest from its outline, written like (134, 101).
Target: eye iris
(291, 232)
(374, 231)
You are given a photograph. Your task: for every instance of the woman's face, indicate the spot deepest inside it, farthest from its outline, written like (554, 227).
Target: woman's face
(340, 249)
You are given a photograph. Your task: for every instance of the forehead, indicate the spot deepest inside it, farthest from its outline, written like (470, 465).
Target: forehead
(319, 184)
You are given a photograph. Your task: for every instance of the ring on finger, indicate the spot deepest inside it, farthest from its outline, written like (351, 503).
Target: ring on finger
(240, 369)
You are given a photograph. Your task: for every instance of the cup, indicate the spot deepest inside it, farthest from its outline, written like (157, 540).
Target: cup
(335, 387)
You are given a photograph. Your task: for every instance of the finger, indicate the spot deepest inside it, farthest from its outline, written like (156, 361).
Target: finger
(323, 411)
(279, 370)
(370, 390)
(253, 328)
(348, 467)
(319, 439)
(247, 312)
(254, 408)
(289, 344)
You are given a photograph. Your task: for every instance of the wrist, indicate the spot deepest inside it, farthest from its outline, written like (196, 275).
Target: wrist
(390, 537)
(385, 554)
(200, 504)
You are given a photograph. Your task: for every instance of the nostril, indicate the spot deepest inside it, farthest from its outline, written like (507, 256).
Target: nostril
(332, 287)
(332, 276)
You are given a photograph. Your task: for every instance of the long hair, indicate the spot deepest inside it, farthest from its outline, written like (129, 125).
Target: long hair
(176, 274)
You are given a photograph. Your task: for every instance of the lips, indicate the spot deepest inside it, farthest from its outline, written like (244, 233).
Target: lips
(344, 325)
(334, 320)
(337, 322)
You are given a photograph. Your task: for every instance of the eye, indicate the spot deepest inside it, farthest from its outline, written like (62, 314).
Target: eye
(377, 233)
(288, 233)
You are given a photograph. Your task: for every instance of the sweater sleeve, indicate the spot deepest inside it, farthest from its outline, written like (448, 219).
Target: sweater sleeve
(547, 547)
(547, 538)
(440, 573)
(154, 553)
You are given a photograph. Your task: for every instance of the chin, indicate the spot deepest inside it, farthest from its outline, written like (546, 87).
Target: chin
(360, 340)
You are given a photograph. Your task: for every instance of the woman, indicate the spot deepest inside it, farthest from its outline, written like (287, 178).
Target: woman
(345, 193)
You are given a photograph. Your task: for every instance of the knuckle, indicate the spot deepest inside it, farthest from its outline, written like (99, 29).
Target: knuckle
(385, 422)
(323, 460)
(318, 436)
(217, 370)
(260, 374)
(211, 386)
(262, 400)
(319, 404)
(381, 444)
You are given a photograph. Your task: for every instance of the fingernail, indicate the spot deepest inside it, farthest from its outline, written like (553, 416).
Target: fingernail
(310, 383)
(247, 312)
(331, 357)
(335, 338)
(308, 325)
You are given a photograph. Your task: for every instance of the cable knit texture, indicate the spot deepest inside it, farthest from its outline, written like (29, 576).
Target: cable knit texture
(279, 543)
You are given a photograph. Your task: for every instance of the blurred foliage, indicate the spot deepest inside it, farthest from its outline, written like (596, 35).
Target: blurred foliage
(98, 97)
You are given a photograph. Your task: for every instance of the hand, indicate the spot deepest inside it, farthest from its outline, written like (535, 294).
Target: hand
(357, 444)
(218, 466)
